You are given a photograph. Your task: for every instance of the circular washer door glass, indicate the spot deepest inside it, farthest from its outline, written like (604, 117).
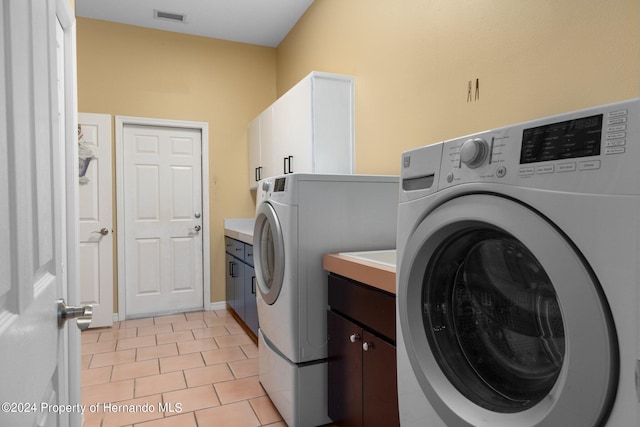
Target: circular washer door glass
(268, 253)
(493, 320)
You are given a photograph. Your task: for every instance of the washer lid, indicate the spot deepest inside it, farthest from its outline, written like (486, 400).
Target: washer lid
(268, 253)
(503, 321)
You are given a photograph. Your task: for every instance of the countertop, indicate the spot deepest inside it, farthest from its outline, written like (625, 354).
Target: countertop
(370, 273)
(240, 229)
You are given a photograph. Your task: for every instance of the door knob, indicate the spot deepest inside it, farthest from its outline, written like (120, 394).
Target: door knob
(197, 228)
(354, 337)
(103, 231)
(82, 313)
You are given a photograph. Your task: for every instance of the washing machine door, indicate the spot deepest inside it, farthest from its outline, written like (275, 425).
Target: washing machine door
(268, 253)
(503, 321)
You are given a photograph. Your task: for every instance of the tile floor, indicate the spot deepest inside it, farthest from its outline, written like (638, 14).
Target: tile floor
(187, 370)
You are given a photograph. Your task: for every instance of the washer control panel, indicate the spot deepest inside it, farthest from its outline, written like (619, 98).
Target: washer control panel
(593, 150)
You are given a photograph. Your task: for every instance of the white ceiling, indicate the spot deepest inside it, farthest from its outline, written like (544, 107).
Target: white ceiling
(260, 22)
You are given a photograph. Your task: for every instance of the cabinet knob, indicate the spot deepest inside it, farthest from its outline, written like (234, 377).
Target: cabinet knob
(366, 346)
(354, 338)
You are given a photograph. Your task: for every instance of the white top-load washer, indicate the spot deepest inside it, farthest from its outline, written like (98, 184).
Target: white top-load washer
(300, 217)
(518, 279)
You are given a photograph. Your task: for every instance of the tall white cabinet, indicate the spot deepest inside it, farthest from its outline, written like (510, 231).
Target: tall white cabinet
(309, 129)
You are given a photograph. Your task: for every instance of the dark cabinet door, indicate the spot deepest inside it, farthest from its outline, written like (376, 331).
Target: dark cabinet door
(379, 384)
(345, 371)
(229, 280)
(250, 307)
(237, 271)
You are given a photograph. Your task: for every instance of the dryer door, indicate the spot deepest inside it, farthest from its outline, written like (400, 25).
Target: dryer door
(503, 321)
(268, 253)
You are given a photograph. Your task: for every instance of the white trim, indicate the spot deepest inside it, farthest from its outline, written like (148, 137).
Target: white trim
(120, 123)
(213, 306)
(66, 17)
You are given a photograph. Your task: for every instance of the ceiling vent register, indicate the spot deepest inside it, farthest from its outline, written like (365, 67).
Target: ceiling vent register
(169, 16)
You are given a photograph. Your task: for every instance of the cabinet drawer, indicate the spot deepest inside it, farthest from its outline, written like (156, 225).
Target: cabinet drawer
(234, 247)
(366, 305)
(228, 245)
(248, 254)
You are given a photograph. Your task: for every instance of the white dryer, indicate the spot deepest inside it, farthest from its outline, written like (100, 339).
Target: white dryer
(518, 279)
(300, 217)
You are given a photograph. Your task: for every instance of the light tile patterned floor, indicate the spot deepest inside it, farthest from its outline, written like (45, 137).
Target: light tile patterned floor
(202, 366)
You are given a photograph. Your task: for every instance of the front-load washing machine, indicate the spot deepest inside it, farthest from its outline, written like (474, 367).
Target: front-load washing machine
(518, 279)
(300, 217)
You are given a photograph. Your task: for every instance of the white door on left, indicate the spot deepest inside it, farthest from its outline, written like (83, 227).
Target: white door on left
(96, 223)
(38, 358)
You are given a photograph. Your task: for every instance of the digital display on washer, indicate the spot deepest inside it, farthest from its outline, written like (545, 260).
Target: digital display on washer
(562, 140)
(279, 185)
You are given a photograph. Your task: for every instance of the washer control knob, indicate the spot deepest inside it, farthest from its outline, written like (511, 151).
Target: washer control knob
(474, 152)
(265, 186)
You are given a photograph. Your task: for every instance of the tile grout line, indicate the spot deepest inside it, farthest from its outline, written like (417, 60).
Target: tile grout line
(228, 329)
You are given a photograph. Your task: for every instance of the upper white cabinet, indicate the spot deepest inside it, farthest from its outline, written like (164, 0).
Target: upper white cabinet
(260, 147)
(309, 129)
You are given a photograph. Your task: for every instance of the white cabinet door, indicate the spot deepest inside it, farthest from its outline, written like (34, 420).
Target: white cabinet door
(266, 144)
(261, 148)
(254, 153)
(292, 131)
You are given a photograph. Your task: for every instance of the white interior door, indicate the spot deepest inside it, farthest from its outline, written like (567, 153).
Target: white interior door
(37, 357)
(162, 219)
(96, 219)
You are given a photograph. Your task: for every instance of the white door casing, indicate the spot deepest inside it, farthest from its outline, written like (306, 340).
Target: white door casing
(39, 362)
(96, 224)
(162, 201)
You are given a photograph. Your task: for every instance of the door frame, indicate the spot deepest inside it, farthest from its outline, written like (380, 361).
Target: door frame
(71, 292)
(203, 127)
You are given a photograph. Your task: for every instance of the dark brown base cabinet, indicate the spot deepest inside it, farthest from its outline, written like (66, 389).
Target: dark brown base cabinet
(363, 388)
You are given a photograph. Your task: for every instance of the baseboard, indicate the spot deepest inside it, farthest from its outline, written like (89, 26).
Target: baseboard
(212, 306)
(220, 305)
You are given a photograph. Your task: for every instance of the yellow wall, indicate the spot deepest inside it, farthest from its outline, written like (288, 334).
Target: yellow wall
(412, 61)
(133, 71)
